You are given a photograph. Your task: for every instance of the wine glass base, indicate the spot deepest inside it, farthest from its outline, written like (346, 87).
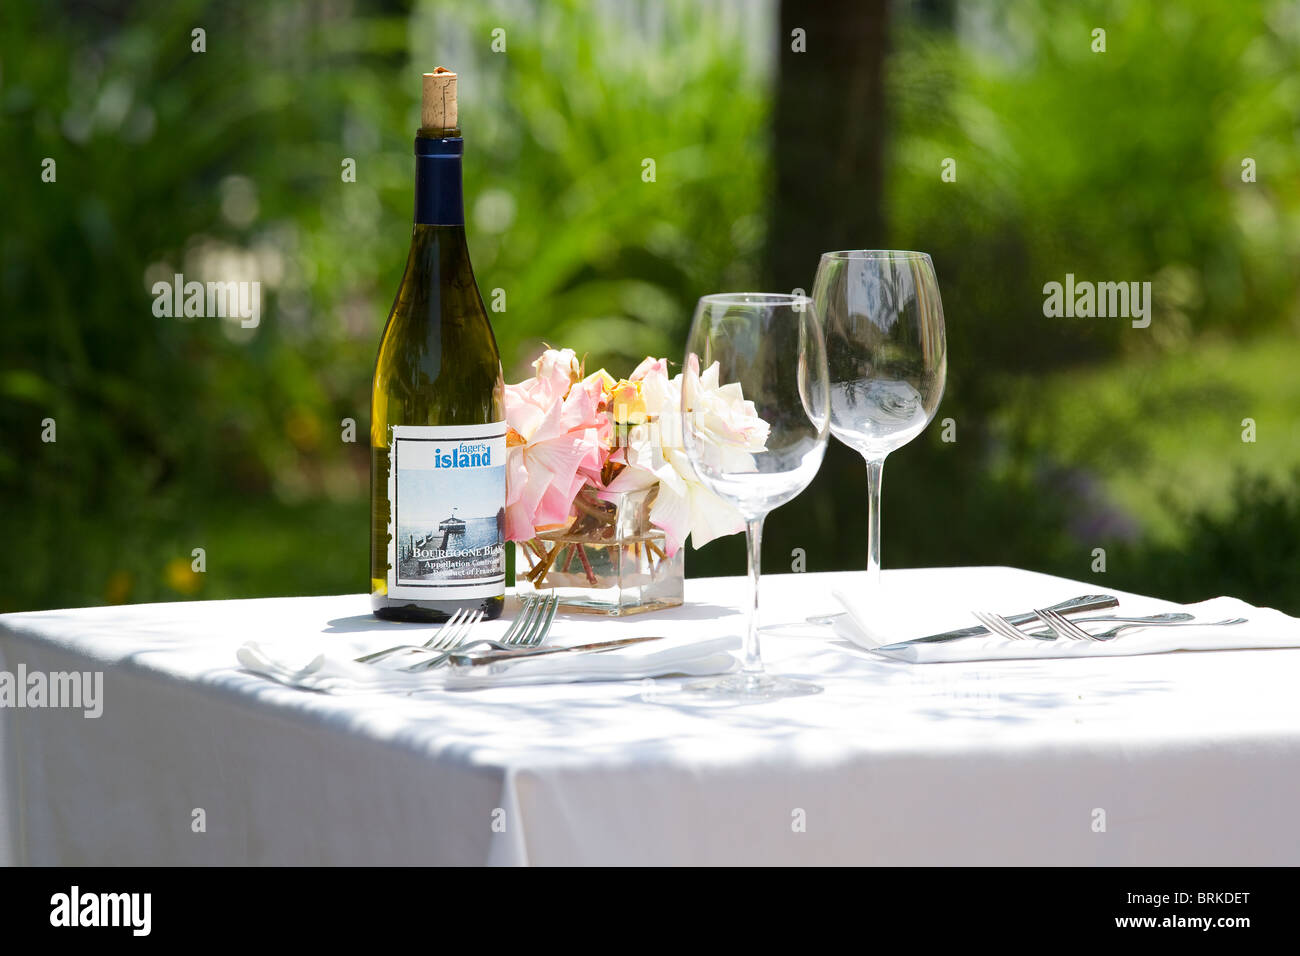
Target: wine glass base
(752, 687)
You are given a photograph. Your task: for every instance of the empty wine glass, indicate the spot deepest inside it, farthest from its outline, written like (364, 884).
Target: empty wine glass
(755, 416)
(886, 355)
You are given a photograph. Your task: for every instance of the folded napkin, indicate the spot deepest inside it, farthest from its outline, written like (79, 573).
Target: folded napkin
(338, 674)
(1264, 627)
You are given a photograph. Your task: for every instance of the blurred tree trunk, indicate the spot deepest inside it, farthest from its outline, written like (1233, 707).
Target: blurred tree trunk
(828, 136)
(828, 139)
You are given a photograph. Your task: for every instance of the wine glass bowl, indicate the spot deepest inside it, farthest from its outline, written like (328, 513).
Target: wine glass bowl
(886, 351)
(787, 440)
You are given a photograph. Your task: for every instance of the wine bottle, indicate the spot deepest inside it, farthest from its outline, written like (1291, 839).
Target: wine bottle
(437, 412)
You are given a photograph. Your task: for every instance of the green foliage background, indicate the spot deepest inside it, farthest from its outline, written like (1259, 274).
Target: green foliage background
(1072, 435)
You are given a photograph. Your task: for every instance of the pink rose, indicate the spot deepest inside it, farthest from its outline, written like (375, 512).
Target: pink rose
(553, 443)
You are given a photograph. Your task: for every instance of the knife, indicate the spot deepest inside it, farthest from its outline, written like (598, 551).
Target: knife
(1085, 602)
(466, 660)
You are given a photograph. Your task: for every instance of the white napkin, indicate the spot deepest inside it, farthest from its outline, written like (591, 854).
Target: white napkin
(1264, 627)
(336, 674)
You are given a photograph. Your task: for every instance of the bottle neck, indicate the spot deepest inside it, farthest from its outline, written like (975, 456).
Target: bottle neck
(439, 199)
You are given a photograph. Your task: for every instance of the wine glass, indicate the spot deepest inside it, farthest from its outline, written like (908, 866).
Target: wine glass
(887, 358)
(755, 416)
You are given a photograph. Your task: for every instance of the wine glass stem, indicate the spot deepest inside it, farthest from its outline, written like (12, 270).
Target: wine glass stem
(875, 471)
(754, 539)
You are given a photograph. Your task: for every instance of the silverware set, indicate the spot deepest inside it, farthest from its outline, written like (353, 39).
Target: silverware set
(1059, 626)
(527, 631)
(1014, 627)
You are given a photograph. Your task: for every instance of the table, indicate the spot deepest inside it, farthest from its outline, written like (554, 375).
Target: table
(1175, 759)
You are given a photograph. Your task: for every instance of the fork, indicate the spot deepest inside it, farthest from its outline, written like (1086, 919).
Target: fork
(1000, 625)
(528, 630)
(1065, 627)
(447, 637)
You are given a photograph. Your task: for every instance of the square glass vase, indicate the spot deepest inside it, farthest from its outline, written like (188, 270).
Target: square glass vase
(609, 560)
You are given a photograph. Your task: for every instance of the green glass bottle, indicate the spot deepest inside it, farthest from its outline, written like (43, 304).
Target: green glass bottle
(437, 412)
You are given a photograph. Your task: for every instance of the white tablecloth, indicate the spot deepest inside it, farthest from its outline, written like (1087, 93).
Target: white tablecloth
(1189, 758)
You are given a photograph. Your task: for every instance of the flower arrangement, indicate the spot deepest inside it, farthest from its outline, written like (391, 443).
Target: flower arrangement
(577, 442)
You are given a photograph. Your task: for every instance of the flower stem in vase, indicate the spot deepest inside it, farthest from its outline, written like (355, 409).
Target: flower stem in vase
(564, 551)
(594, 515)
(586, 565)
(544, 565)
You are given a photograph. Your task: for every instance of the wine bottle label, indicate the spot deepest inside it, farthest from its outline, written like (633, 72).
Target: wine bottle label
(446, 507)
